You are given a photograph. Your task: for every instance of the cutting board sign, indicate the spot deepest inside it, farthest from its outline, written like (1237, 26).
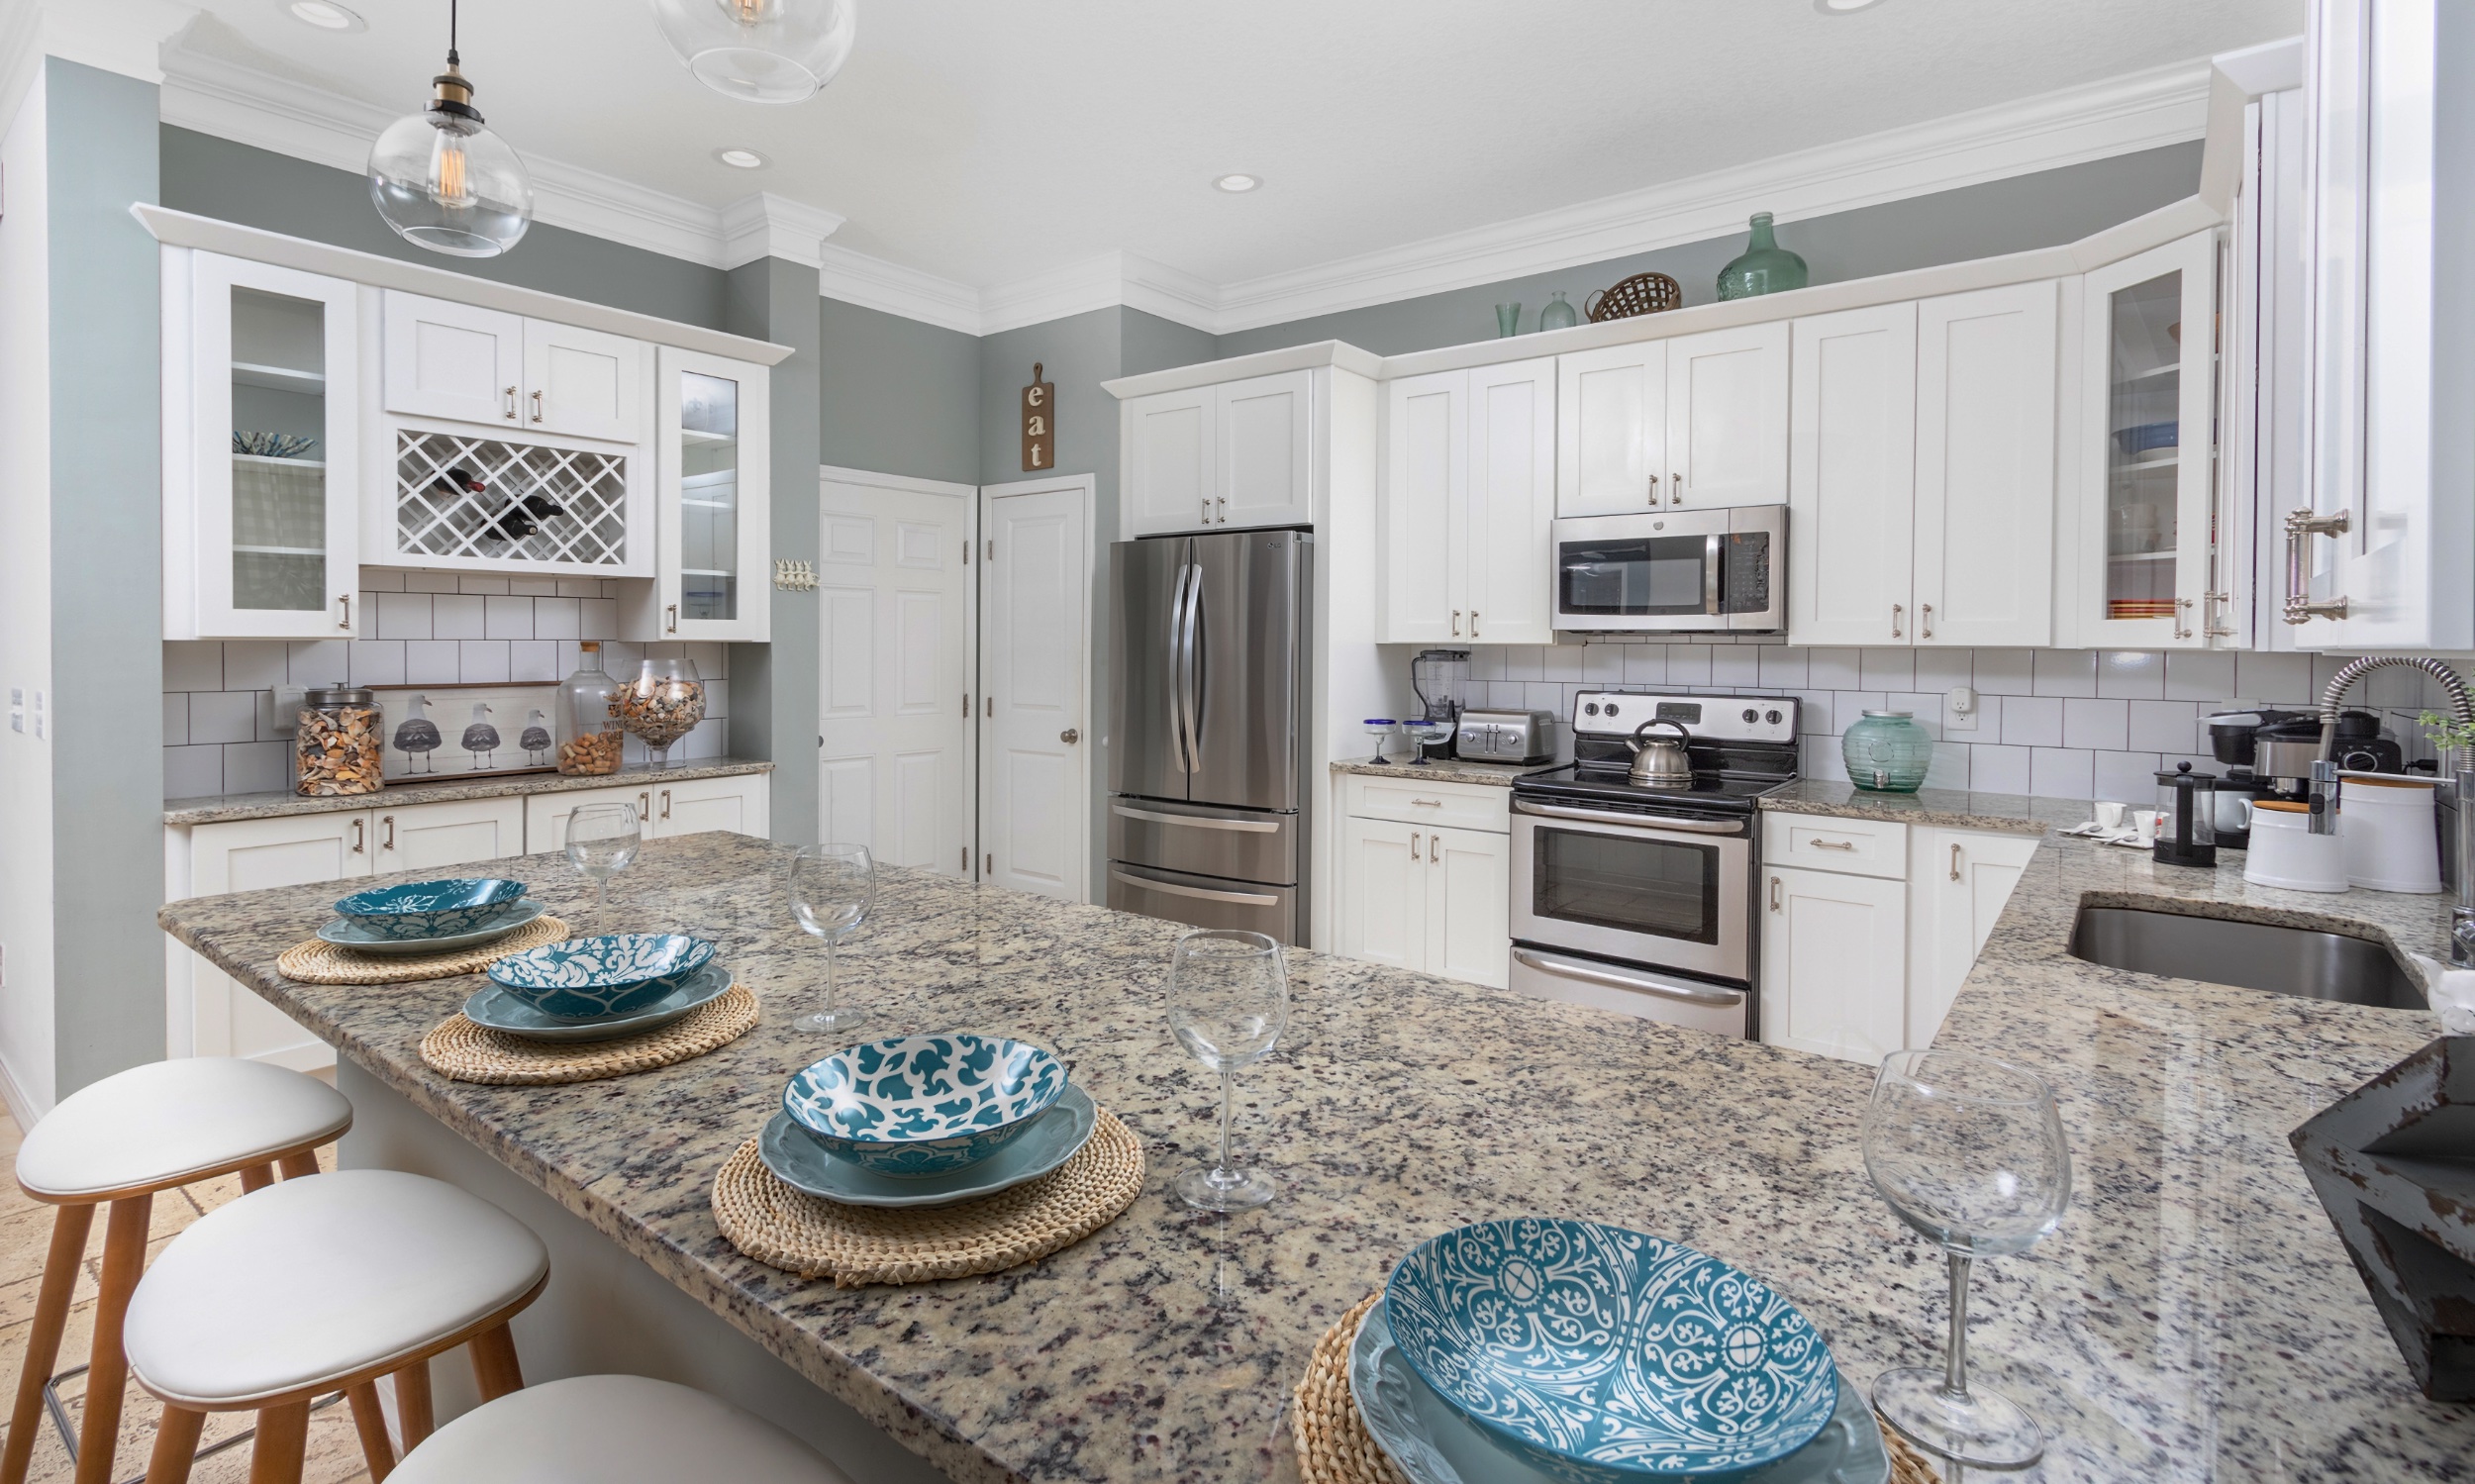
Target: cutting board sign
(1039, 421)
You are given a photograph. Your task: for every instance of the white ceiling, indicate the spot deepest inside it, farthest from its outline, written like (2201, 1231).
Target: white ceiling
(987, 141)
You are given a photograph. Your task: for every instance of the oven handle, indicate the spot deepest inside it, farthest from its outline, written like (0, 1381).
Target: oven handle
(1665, 989)
(1646, 821)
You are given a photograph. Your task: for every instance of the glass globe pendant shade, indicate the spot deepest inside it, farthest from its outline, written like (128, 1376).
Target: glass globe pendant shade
(444, 181)
(760, 51)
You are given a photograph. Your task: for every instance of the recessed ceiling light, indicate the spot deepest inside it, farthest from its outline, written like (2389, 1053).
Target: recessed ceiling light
(741, 159)
(1842, 7)
(326, 14)
(1236, 184)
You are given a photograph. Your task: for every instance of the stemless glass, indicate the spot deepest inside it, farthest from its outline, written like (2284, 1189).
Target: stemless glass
(602, 841)
(1969, 1151)
(832, 889)
(1229, 1001)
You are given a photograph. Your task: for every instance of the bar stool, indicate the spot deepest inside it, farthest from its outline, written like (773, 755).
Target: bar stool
(121, 1142)
(613, 1430)
(320, 1285)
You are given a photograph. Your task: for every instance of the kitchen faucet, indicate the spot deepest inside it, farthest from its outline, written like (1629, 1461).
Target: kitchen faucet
(2325, 778)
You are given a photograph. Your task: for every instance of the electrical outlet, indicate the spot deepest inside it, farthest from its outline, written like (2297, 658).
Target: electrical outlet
(38, 716)
(17, 708)
(1960, 709)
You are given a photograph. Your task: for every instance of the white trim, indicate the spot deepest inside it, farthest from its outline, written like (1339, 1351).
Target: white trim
(765, 225)
(2235, 79)
(908, 484)
(851, 277)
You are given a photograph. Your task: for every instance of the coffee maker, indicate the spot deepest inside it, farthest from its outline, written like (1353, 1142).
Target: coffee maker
(2269, 755)
(1440, 680)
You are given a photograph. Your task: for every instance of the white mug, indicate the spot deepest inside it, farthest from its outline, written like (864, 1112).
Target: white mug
(2145, 823)
(2110, 816)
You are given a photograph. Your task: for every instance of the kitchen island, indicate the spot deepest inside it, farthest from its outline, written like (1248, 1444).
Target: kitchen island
(2195, 1318)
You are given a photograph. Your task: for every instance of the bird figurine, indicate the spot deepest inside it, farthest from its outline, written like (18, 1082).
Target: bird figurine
(523, 518)
(480, 739)
(537, 737)
(417, 736)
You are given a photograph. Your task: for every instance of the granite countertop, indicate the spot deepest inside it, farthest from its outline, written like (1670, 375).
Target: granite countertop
(1445, 770)
(2194, 1318)
(216, 809)
(1941, 808)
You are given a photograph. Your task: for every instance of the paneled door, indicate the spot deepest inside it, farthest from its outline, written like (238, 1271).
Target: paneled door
(582, 382)
(1262, 451)
(1727, 417)
(1853, 482)
(1506, 536)
(1168, 452)
(1036, 818)
(1835, 963)
(1985, 468)
(453, 360)
(1611, 452)
(1426, 482)
(897, 693)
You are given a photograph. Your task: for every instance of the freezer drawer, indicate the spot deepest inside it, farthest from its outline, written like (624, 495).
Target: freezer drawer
(1205, 901)
(1242, 845)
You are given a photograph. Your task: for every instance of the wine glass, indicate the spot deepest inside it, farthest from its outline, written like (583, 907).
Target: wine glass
(602, 841)
(1424, 735)
(1969, 1151)
(1229, 1001)
(1381, 729)
(832, 889)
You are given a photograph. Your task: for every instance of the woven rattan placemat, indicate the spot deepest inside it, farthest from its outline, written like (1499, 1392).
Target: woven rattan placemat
(318, 961)
(1334, 1446)
(458, 1049)
(860, 1244)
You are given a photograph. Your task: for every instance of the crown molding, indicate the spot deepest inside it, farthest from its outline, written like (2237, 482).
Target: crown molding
(851, 277)
(765, 225)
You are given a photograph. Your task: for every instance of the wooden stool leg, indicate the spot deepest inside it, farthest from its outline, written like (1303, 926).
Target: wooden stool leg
(176, 1446)
(257, 1177)
(371, 1423)
(282, 1444)
(411, 1403)
(298, 1166)
(70, 1226)
(494, 1363)
(107, 1370)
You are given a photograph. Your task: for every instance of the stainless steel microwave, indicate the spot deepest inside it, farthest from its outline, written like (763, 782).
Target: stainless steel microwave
(1684, 571)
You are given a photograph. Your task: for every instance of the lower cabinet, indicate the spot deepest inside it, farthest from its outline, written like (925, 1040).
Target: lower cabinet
(1421, 896)
(1958, 881)
(737, 803)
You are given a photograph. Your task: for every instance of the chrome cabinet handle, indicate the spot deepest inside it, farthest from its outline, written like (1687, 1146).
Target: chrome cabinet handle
(644, 804)
(1434, 849)
(1413, 844)
(1925, 626)
(1070, 736)
(2182, 626)
(1473, 623)
(1675, 491)
(1774, 894)
(1834, 845)
(1897, 610)
(1457, 623)
(674, 618)
(1223, 502)
(389, 843)
(665, 803)
(346, 600)
(2300, 523)
(1206, 510)
(511, 404)
(361, 836)
(1427, 803)
(1954, 862)
(1654, 492)
(536, 407)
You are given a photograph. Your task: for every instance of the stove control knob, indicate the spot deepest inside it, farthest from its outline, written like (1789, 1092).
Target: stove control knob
(1611, 708)
(1593, 709)
(1772, 717)
(1751, 715)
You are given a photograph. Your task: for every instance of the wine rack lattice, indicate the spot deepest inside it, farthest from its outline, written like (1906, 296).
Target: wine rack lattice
(437, 516)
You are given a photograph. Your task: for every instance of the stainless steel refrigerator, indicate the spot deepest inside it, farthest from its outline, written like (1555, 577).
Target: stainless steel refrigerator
(1211, 647)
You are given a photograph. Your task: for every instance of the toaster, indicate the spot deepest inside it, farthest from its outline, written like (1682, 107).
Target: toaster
(1506, 737)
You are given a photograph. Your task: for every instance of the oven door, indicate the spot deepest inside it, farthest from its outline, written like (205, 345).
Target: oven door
(1686, 571)
(1660, 891)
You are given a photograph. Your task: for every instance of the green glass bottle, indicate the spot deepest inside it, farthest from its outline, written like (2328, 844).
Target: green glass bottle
(1559, 314)
(1765, 268)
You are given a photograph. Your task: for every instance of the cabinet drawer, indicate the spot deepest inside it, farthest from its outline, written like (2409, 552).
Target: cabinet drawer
(1857, 847)
(1452, 806)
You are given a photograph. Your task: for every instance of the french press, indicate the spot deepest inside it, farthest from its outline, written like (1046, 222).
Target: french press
(2189, 834)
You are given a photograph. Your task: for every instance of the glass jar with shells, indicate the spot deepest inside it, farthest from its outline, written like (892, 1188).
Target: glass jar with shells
(661, 705)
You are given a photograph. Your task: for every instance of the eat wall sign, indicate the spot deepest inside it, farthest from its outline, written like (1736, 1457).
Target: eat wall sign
(1039, 423)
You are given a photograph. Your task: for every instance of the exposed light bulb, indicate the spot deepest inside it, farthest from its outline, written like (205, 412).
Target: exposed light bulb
(450, 174)
(444, 181)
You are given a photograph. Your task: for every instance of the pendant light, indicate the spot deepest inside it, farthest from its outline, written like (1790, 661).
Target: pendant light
(760, 51)
(446, 183)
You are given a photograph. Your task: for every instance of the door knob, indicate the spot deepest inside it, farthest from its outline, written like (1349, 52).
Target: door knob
(1070, 736)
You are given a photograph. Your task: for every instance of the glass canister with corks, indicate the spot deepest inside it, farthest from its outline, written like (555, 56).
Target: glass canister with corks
(337, 742)
(590, 737)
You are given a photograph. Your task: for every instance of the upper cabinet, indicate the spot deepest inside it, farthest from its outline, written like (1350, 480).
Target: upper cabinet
(714, 450)
(261, 451)
(478, 365)
(1851, 492)
(1468, 504)
(584, 383)
(1697, 420)
(1226, 456)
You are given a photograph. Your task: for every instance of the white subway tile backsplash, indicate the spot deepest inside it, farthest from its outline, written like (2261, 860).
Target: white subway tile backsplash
(2274, 678)
(2005, 672)
(2061, 773)
(1603, 665)
(1834, 669)
(507, 618)
(455, 616)
(2164, 725)
(531, 660)
(2199, 675)
(1821, 759)
(1688, 664)
(430, 582)
(1887, 669)
(1938, 669)
(2031, 722)
(600, 617)
(320, 661)
(431, 661)
(256, 767)
(380, 580)
(2065, 673)
(255, 663)
(1645, 665)
(403, 615)
(2131, 674)
(192, 772)
(1486, 661)
(484, 662)
(534, 587)
(2099, 725)
(378, 661)
(1560, 662)
(579, 587)
(482, 585)
(1997, 769)
(1784, 668)
(1949, 769)
(1546, 695)
(222, 716)
(176, 718)
(1736, 664)
(193, 664)
(2128, 777)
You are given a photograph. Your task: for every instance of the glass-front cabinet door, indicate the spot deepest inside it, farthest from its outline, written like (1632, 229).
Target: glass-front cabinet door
(716, 517)
(2149, 455)
(260, 488)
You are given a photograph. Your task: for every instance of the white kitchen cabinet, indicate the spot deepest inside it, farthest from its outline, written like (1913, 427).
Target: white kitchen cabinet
(1851, 482)
(546, 815)
(714, 541)
(1984, 567)
(1169, 475)
(1697, 420)
(666, 807)
(1958, 883)
(1468, 934)
(1419, 896)
(1383, 893)
(457, 362)
(255, 544)
(1835, 955)
(1469, 506)
(1238, 455)
(585, 383)
(433, 837)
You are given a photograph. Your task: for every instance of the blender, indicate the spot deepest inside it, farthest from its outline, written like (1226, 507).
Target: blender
(1440, 680)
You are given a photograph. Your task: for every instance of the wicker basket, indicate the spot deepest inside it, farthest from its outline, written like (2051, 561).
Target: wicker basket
(1643, 293)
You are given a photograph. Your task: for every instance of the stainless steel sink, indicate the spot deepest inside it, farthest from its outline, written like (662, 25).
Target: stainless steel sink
(2302, 961)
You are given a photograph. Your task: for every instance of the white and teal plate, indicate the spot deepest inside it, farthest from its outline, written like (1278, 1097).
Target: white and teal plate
(1434, 1444)
(1054, 1138)
(346, 934)
(493, 1008)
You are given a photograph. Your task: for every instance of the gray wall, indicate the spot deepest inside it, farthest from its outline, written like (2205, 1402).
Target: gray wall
(107, 611)
(2040, 210)
(899, 397)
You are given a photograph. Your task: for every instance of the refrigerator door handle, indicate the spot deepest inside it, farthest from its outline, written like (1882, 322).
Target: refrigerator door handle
(1190, 666)
(1236, 898)
(1177, 669)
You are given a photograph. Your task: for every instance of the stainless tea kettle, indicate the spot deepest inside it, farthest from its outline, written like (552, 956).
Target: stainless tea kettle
(1658, 762)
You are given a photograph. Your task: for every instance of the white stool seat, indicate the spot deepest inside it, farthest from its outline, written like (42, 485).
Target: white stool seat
(165, 1122)
(311, 1280)
(612, 1429)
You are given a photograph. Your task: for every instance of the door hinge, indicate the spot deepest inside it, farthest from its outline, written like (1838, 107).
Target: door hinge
(992, 548)
(966, 707)
(966, 554)
(988, 866)
(966, 850)
(991, 702)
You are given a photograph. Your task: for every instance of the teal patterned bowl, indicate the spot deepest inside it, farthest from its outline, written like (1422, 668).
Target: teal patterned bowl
(587, 978)
(429, 909)
(923, 1105)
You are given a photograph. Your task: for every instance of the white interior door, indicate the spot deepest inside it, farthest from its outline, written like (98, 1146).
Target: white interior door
(1035, 655)
(897, 690)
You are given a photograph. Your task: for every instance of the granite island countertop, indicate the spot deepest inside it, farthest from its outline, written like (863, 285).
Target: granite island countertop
(2194, 1318)
(216, 809)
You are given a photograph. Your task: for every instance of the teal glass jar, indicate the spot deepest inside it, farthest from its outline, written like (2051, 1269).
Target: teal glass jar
(1765, 268)
(1559, 314)
(1887, 752)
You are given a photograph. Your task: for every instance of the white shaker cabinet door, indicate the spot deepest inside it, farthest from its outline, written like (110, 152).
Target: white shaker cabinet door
(1425, 502)
(582, 382)
(1383, 893)
(1263, 450)
(1985, 468)
(736, 804)
(1169, 441)
(1727, 417)
(1611, 422)
(1851, 489)
(433, 837)
(1835, 963)
(1961, 879)
(546, 815)
(1468, 882)
(1511, 495)
(228, 1019)
(453, 360)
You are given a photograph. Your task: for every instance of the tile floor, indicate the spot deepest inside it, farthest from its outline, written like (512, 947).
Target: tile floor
(25, 1236)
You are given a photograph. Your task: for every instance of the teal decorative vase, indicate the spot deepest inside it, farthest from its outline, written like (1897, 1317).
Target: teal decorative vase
(1765, 268)
(1507, 320)
(1887, 752)
(1558, 315)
